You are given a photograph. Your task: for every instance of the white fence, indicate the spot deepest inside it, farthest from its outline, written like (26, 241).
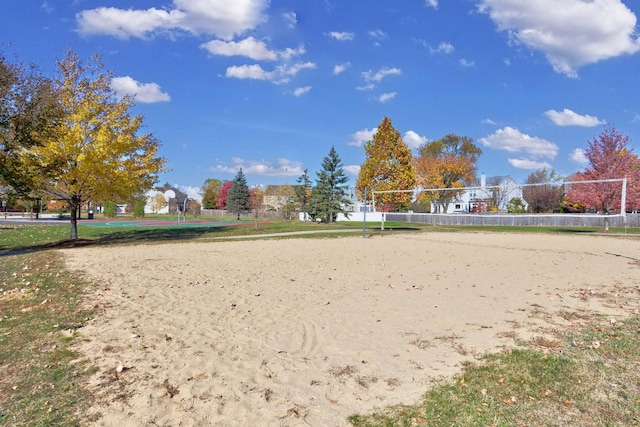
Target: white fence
(548, 220)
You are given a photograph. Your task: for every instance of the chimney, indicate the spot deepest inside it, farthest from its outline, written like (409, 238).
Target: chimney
(483, 180)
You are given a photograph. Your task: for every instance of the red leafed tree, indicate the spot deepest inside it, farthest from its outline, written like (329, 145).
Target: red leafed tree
(223, 194)
(608, 157)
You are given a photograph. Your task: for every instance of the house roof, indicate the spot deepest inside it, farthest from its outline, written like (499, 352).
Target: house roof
(492, 180)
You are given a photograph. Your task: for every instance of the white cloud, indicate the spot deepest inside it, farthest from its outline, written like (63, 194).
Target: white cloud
(528, 164)
(253, 72)
(360, 137)
(488, 122)
(578, 156)
(386, 97)
(466, 64)
(378, 35)
(217, 17)
(431, 3)
(444, 47)
(353, 170)
(146, 93)
(413, 140)
(281, 74)
(290, 18)
(567, 117)
(368, 86)
(192, 193)
(571, 33)
(249, 47)
(123, 24)
(340, 68)
(283, 167)
(513, 141)
(45, 6)
(296, 68)
(342, 36)
(301, 91)
(289, 53)
(372, 78)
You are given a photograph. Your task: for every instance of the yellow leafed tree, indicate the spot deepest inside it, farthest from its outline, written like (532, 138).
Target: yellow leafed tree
(96, 152)
(388, 166)
(449, 162)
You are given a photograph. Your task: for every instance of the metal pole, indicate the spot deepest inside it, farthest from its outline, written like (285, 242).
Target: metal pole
(364, 216)
(623, 199)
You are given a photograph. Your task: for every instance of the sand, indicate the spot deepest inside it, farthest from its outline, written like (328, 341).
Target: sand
(305, 332)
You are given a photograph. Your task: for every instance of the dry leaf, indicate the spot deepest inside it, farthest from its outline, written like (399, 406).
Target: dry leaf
(171, 390)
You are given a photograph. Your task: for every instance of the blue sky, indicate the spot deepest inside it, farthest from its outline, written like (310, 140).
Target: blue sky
(270, 86)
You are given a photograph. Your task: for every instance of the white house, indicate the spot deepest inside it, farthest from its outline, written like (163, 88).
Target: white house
(490, 193)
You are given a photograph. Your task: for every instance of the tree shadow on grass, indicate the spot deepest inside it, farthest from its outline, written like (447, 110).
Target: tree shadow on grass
(578, 230)
(125, 237)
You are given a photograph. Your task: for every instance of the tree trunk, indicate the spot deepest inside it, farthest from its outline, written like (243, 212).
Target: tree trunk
(73, 210)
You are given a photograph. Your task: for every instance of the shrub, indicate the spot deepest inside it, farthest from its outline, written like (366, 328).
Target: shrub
(110, 209)
(138, 208)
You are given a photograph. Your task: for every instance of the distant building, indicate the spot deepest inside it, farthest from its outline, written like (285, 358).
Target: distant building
(487, 194)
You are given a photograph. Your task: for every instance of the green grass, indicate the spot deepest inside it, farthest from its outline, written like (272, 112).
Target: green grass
(593, 379)
(39, 237)
(41, 383)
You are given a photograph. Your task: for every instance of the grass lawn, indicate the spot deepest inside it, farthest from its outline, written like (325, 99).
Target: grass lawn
(590, 376)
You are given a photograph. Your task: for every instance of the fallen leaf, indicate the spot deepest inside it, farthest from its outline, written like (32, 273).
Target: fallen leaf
(171, 390)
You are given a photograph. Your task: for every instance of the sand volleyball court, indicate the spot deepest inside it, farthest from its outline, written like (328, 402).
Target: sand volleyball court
(305, 332)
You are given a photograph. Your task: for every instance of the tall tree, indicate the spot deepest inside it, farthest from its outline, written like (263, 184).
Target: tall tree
(388, 166)
(257, 197)
(210, 190)
(303, 191)
(449, 162)
(547, 193)
(239, 199)
(29, 112)
(96, 152)
(608, 157)
(257, 203)
(329, 196)
(223, 194)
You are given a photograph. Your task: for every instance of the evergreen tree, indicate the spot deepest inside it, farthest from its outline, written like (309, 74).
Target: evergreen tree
(329, 197)
(239, 199)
